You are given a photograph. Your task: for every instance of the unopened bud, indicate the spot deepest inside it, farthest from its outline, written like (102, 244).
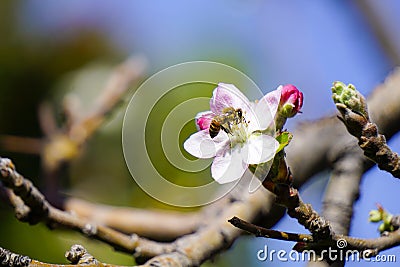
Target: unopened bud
(291, 101)
(349, 96)
(375, 216)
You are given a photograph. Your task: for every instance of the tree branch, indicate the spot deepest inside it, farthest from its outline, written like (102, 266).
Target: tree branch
(212, 237)
(333, 138)
(269, 233)
(343, 190)
(142, 222)
(341, 193)
(382, 35)
(77, 255)
(40, 210)
(355, 116)
(368, 247)
(26, 145)
(8, 258)
(369, 140)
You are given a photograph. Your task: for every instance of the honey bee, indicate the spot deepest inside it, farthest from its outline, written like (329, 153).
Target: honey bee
(224, 121)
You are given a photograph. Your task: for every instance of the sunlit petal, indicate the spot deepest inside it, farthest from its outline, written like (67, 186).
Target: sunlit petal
(259, 148)
(227, 95)
(202, 146)
(228, 166)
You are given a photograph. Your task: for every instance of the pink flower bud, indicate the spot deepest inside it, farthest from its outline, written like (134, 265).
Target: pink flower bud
(291, 101)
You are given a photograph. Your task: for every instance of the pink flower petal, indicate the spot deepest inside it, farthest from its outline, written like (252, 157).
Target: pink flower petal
(202, 146)
(228, 165)
(203, 120)
(272, 100)
(259, 148)
(227, 95)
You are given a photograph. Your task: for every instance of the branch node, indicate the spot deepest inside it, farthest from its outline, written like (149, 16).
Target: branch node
(79, 255)
(7, 258)
(90, 229)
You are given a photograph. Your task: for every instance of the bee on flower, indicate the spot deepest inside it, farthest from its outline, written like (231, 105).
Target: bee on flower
(237, 132)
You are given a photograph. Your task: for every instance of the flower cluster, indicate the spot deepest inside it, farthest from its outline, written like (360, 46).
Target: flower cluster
(242, 131)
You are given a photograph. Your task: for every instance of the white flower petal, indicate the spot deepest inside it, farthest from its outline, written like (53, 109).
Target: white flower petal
(227, 95)
(271, 100)
(263, 116)
(202, 146)
(259, 148)
(265, 111)
(228, 165)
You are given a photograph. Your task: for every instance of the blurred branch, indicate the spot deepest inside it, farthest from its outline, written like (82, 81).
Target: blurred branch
(26, 145)
(142, 222)
(116, 87)
(20, 209)
(341, 193)
(269, 233)
(47, 119)
(217, 235)
(64, 145)
(378, 29)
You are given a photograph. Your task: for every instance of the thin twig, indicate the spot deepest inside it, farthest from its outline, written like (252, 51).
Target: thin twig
(20, 209)
(269, 233)
(368, 247)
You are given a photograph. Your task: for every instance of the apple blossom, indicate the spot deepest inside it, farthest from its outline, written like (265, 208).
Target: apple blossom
(250, 141)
